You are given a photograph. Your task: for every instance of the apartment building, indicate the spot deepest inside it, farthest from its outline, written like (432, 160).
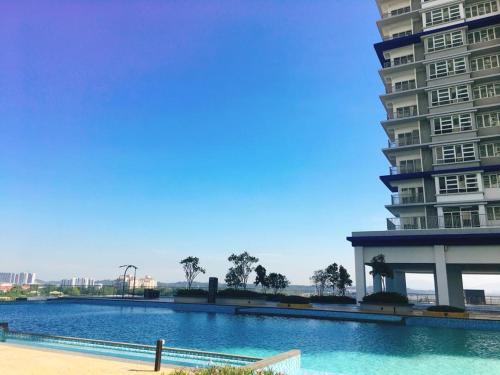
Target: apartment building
(440, 67)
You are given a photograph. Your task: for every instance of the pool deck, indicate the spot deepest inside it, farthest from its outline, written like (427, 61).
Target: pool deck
(25, 360)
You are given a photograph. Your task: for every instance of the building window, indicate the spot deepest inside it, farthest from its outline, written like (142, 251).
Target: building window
(480, 9)
(491, 181)
(455, 153)
(489, 150)
(485, 62)
(450, 95)
(442, 15)
(444, 41)
(488, 120)
(447, 68)
(410, 166)
(458, 184)
(493, 212)
(487, 90)
(452, 124)
(405, 85)
(402, 60)
(401, 34)
(483, 35)
(461, 217)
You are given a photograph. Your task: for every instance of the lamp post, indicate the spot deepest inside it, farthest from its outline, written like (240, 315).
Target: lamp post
(133, 289)
(126, 266)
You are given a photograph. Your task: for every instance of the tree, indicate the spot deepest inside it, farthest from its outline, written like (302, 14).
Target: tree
(381, 268)
(261, 278)
(319, 278)
(191, 269)
(237, 276)
(344, 280)
(277, 282)
(333, 275)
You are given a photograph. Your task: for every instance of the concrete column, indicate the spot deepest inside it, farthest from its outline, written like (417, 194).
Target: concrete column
(377, 283)
(441, 276)
(389, 284)
(455, 285)
(400, 282)
(360, 272)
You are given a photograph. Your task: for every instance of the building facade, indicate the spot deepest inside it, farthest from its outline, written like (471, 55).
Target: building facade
(440, 66)
(23, 278)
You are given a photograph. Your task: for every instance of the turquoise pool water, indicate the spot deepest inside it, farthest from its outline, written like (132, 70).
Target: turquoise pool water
(327, 346)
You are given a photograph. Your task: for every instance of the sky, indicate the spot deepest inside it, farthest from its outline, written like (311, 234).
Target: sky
(143, 132)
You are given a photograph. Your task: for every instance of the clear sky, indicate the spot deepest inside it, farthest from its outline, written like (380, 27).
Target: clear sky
(145, 131)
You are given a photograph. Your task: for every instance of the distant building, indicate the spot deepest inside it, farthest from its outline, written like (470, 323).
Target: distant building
(146, 282)
(23, 278)
(83, 282)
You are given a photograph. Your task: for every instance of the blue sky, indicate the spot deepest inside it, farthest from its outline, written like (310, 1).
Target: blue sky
(147, 131)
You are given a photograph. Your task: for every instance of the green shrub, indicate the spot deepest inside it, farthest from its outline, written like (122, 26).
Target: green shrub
(239, 293)
(191, 293)
(294, 299)
(386, 297)
(333, 299)
(445, 308)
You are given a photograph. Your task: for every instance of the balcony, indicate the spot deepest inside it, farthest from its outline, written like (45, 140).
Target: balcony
(396, 12)
(405, 141)
(400, 87)
(403, 60)
(402, 169)
(403, 112)
(400, 199)
(455, 220)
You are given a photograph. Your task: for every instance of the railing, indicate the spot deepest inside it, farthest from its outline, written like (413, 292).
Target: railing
(405, 141)
(400, 87)
(397, 199)
(399, 61)
(403, 112)
(396, 12)
(405, 169)
(464, 219)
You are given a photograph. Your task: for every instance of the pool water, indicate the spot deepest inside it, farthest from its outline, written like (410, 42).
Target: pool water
(327, 346)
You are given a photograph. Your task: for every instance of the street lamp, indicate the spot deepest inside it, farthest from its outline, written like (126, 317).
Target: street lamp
(126, 266)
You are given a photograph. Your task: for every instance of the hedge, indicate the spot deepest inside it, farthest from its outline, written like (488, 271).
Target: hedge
(445, 308)
(386, 297)
(240, 293)
(294, 299)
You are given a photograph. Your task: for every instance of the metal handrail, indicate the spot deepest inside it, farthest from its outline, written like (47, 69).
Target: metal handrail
(403, 112)
(397, 12)
(397, 199)
(404, 142)
(458, 220)
(403, 170)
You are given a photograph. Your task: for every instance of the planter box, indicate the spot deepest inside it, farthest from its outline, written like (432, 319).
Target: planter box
(295, 305)
(186, 299)
(442, 314)
(388, 308)
(240, 301)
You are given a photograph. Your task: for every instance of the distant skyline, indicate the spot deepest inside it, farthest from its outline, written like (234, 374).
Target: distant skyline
(146, 131)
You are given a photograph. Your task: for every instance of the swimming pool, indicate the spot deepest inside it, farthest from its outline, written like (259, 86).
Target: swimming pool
(329, 346)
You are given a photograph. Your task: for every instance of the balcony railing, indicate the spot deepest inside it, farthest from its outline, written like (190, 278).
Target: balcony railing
(400, 87)
(456, 220)
(403, 60)
(400, 142)
(396, 12)
(403, 112)
(399, 199)
(401, 169)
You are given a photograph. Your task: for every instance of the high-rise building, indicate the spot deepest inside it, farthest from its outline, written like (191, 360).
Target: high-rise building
(83, 282)
(22, 278)
(440, 66)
